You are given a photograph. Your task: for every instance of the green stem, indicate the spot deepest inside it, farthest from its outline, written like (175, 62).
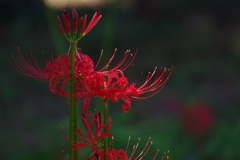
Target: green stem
(73, 106)
(106, 115)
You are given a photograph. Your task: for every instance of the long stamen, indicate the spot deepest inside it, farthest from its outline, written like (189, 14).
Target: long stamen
(145, 149)
(129, 138)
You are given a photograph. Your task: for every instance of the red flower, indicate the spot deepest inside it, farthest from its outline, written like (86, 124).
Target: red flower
(56, 71)
(76, 24)
(114, 85)
(198, 119)
(93, 139)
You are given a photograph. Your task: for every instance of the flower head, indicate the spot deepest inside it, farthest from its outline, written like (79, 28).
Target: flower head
(77, 22)
(56, 71)
(112, 84)
(94, 138)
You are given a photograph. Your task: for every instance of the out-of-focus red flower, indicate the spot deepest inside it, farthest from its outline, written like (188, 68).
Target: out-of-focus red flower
(197, 119)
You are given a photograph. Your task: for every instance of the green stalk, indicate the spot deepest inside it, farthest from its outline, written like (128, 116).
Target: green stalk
(106, 115)
(73, 106)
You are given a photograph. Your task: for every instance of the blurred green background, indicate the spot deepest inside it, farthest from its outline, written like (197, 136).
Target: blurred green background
(195, 116)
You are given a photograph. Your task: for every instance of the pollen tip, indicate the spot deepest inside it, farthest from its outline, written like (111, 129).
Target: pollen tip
(156, 67)
(131, 54)
(139, 139)
(151, 142)
(168, 151)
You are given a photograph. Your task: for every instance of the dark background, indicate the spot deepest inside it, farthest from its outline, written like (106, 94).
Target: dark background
(200, 38)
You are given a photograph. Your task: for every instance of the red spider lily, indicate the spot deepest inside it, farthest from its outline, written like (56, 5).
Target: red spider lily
(114, 85)
(76, 23)
(93, 139)
(56, 71)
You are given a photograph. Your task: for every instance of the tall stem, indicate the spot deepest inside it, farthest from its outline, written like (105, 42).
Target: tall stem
(106, 116)
(73, 106)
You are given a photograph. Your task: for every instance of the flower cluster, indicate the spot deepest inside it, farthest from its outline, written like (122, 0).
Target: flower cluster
(76, 78)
